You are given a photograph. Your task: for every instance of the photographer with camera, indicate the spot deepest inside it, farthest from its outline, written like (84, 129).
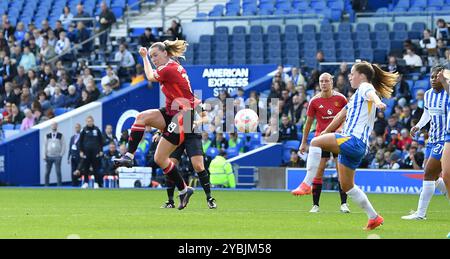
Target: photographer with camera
(428, 43)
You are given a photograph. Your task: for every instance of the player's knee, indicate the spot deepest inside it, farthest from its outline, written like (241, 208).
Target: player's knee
(140, 118)
(198, 167)
(161, 161)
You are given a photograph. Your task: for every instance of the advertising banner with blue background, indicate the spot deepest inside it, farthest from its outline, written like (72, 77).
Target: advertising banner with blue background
(211, 80)
(369, 180)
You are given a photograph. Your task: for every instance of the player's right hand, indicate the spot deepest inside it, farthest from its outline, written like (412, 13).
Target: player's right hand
(302, 148)
(414, 130)
(143, 52)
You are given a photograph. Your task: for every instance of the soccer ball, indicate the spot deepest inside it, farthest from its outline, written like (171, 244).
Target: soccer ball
(246, 120)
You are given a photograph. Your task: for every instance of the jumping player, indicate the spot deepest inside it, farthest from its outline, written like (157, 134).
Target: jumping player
(359, 116)
(176, 87)
(323, 107)
(435, 104)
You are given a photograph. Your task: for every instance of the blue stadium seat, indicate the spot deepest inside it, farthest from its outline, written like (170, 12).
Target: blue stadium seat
(399, 26)
(309, 45)
(345, 27)
(382, 36)
(221, 38)
(400, 35)
(309, 28)
(256, 37)
(238, 60)
(366, 54)
(403, 4)
(292, 45)
(326, 36)
(344, 36)
(274, 29)
(273, 38)
(238, 38)
(380, 56)
(290, 37)
(364, 44)
(326, 28)
(362, 27)
(293, 61)
(420, 3)
(380, 27)
(221, 30)
(239, 30)
(347, 55)
(348, 44)
(309, 36)
(383, 45)
(328, 45)
(291, 29)
(436, 3)
(362, 35)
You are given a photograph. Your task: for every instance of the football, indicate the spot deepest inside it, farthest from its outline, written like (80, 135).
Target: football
(246, 121)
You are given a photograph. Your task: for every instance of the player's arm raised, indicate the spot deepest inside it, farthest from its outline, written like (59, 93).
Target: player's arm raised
(147, 66)
(337, 122)
(373, 97)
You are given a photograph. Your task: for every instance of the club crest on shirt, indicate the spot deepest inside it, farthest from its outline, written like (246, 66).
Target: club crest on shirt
(330, 112)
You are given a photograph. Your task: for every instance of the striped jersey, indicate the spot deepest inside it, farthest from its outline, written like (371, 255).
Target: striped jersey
(436, 105)
(360, 114)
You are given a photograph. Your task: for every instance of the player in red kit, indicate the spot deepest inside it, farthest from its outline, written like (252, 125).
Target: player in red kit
(323, 107)
(174, 120)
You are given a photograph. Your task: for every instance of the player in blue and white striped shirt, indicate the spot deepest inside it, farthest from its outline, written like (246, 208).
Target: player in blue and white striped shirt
(435, 112)
(445, 80)
(359, 115)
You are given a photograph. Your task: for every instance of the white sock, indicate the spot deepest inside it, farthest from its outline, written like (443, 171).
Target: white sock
(360, 198)
(183, 191)
(129, 155)
(428, 188)
(440, 185)
(312, 164)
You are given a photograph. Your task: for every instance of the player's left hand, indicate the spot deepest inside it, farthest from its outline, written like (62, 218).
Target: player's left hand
(143, 52)
(381, 106)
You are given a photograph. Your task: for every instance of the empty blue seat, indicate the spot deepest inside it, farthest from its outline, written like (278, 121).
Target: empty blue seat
(238, 38)
(345, 27)
(380, 27)
(363, 35)
(364, 44)
(59, 111)
(328, 45)
(403, 3)
(380, 56)
(347, 55)
(326, 28)
(291, 29)
(309, 36)
(308, 45)
(256, 37)
(418, 26)
(344, 36)
(256, 29)
(309, 28)
(400, 35)
(399, 26)
(326, 36)
(362, 27)
(292, 45)
(348, 44)
(273, 37)
(383, 44)
(221, 30)
(382, 35)
(274, 29)
(366, 54)
(420, 3)
(291, 37)
(239, 30)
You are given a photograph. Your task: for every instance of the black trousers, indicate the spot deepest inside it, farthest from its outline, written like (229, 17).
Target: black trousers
(74, 162)
(93, 161)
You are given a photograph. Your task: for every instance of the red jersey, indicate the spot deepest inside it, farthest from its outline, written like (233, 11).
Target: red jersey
(325, 109)
(176, 87)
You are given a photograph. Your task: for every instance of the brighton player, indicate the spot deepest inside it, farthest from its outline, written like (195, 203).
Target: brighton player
(435, 112)
(176, 87)
(445, 80)
(359, 115)
(323, 107)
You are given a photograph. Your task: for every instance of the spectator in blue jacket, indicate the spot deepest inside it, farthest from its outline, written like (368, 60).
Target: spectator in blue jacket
(72, 98)
(58, 100)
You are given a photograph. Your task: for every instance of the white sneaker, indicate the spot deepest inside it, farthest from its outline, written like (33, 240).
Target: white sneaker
(96, 186)
(414, 216)
(85, 186)
(344, 208)
(314, 209)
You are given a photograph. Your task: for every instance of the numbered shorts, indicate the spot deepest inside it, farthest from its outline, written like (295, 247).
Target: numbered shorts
(352, 150)
(192, 144)
(177, 126)
(434, 150)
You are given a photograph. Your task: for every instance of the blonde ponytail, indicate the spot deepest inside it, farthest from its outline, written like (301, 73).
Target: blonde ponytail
(174, 48)
(384, 82)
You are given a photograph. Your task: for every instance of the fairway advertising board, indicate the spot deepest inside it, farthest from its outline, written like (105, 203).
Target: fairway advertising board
(369, 180)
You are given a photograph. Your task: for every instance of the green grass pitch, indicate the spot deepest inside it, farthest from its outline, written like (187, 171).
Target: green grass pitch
(59, 213)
